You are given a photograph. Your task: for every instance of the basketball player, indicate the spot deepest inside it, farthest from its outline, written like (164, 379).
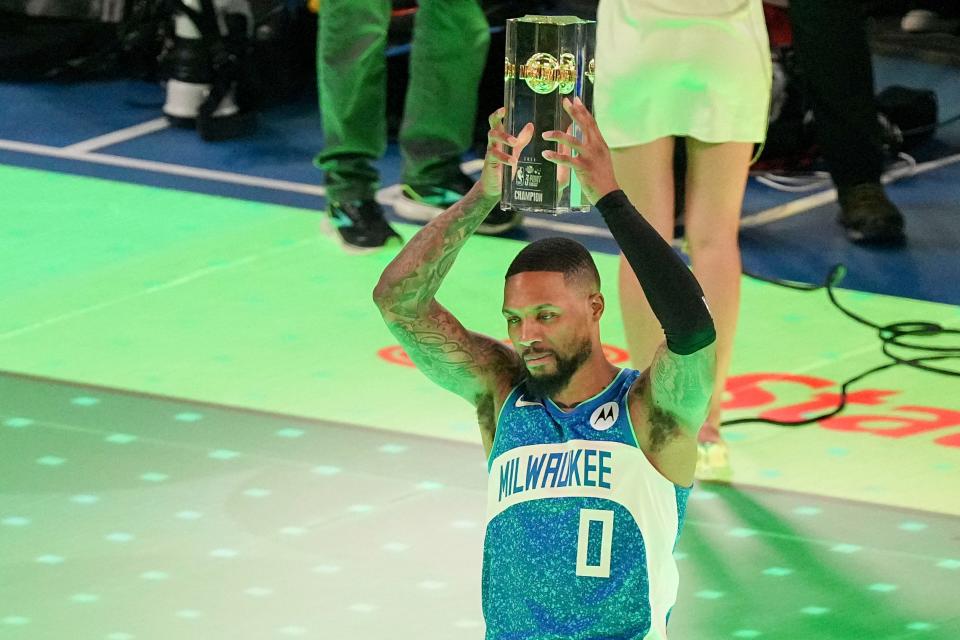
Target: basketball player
(589, 465)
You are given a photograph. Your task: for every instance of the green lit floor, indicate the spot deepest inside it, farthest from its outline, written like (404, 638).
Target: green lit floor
(208, 433)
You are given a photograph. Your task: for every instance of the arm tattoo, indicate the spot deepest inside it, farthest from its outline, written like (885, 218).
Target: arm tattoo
(663, 425)
(438, 344)
(411, 281)
(439, 348)
(683, 385)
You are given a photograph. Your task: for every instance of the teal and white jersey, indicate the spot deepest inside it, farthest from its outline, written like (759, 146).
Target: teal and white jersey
(581, 527)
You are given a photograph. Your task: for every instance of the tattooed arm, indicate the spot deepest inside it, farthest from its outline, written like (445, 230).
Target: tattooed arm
(682, 373)
(473, 366)
(458, 360)
(681, 385)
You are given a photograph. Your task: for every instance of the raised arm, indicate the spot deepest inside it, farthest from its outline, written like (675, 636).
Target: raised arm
(456, 359)
(469, 364)
(682, 372)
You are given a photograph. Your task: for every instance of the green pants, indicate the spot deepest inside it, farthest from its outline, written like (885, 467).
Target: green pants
(448, 55)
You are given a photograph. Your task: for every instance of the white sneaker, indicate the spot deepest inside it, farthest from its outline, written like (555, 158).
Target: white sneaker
(924, 21)
(713, 462)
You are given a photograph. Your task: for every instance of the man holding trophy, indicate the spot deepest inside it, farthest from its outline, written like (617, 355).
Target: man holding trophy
(589, 465)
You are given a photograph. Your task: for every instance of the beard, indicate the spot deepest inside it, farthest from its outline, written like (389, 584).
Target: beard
(547, 384)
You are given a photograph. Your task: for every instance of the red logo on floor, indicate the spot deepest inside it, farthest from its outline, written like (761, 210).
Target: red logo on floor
(396, 355)
(747, 392)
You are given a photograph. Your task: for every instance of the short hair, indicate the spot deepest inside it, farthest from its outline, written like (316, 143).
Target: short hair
(562, 255)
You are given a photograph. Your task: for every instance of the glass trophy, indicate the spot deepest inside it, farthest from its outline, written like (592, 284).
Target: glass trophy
(548, 58)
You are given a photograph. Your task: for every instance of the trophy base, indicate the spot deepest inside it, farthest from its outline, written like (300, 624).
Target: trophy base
(553, 211)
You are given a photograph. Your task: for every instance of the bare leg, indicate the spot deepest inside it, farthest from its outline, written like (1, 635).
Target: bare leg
(715, 182)
(645, 173)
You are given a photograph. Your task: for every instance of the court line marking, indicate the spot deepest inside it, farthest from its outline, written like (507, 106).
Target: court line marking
(774, 214)
(163, 167)
(388, 195)
(174, 282)
(801, 205)
(385, 195)
(120, 135)
(81, 151)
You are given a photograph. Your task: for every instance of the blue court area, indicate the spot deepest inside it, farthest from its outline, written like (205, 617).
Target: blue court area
(195, 445)
(801, 246)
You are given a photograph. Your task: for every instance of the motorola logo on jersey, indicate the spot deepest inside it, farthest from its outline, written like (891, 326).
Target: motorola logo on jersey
(605, 416)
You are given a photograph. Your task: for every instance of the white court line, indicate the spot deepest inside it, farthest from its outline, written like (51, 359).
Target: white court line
(388, 195)
(795, 207)
(546, 222)
(384, 196)
(175, 282)
(936, 164)
(164, 167)
(788, 209)
(566, 227)
(121, 135)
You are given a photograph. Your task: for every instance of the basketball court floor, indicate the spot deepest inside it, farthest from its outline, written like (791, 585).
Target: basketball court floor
(206, 432)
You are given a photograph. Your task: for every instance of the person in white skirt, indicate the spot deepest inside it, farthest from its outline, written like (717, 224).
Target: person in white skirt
(700, 70)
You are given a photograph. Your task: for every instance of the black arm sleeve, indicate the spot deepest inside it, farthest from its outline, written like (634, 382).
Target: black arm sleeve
(673, 293)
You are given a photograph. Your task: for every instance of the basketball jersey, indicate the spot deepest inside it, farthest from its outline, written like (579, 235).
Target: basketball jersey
(581, 527)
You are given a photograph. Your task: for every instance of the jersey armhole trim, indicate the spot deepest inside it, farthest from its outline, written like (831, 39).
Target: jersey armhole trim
(633, 433)
(496, 424)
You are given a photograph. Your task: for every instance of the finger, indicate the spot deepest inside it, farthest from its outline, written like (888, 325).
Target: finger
(501, 136)
(497, 117)
(573, 112)
(523, 139)
(587, 122)
(568, 106)
(503, 157)
(526, 134)
(582, 110)
(581, 115)
(562, 159)
(565, 139)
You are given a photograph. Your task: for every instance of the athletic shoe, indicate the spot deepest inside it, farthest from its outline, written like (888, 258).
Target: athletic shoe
(423, 203)
(713, 457)
(360, 226)
(868, 216)
(924, 21)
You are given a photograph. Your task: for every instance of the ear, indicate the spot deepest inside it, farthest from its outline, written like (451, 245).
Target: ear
(597, 305)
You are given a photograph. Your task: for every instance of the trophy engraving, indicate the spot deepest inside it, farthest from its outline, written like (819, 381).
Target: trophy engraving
(548, 58)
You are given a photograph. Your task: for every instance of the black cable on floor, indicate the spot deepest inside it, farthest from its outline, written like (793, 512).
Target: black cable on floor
(899, 335)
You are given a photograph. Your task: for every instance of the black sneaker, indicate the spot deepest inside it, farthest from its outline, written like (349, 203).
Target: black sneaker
(360, 226)
(423, 203)
(868, 216)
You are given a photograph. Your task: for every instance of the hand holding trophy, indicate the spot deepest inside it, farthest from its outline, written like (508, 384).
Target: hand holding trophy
(589, 158)
(491, 178)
